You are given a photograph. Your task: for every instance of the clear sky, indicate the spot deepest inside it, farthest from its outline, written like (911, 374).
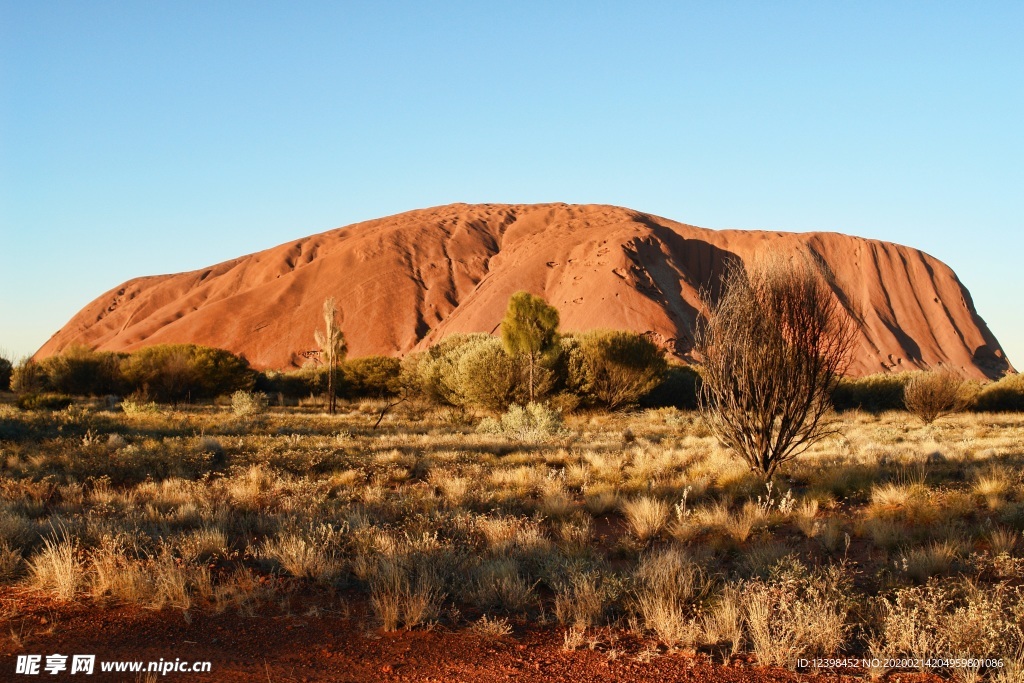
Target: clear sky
(153, 137)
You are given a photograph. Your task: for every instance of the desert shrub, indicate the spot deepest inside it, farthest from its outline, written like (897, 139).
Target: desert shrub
(534, 422)
(474, 370)
(27, 378)
(403, 595)
(139, 405)
(952, 619)
(723, 621)
(796, 613)
(873, 393)
(313, 554)
(1006, 395)
(435, 370)
(774, 345)
(176, 372)
(497, 627)
(935, 393)
(679, 388)
(668, 586)
(80, 371)
(6, 370)
(47, 401)
(500, 583)
(582, 595)
(10, 562)
(617, 367)
(248, 403)
(371, 376)
(405, 578)
(487, 377)
(646, 516)
(295, 384)
(923, 562)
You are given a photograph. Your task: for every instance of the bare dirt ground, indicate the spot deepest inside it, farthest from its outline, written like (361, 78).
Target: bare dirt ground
(276, 646)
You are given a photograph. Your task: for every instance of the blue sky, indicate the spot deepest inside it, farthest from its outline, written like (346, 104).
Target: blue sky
(144, 137)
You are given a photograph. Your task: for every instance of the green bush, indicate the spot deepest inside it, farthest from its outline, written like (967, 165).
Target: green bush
(371, 376)
(615, 368)
(873, 393)
(486, 376)
(437, 368)
(44, 401)
(434, 369)
(6, 370)
(27, 378)
(678, 389)
(176, 372)
(475, 371)
(80, 371)
(1006, 395)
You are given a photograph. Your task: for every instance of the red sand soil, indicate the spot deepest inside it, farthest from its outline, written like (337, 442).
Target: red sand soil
(406, 281)
(341, 646)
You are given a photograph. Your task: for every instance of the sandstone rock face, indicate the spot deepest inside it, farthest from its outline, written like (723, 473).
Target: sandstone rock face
(404, 282)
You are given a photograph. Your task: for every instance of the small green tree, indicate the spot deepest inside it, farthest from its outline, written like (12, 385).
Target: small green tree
(529, 330)
(332, 345)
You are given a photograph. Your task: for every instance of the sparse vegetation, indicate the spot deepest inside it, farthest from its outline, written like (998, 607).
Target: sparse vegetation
(423, 516)
(887, 539)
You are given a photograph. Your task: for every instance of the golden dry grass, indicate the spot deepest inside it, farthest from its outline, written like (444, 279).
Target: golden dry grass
(431, 519)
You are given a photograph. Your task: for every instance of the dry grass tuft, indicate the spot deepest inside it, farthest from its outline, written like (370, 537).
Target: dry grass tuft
(646, 516)
(668, 583)
(57, 568)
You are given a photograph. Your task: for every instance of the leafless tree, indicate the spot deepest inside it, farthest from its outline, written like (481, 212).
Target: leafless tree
(773, 345)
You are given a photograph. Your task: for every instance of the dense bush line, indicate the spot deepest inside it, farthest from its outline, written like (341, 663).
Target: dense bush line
(886, 391)
(166, 372)
(598, 369)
